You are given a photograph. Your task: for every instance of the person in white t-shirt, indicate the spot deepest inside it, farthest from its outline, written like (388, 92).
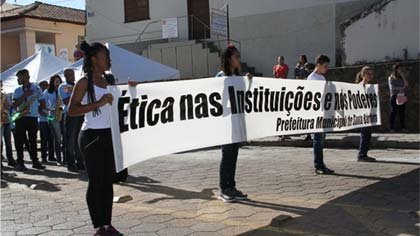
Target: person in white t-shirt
(321, 67)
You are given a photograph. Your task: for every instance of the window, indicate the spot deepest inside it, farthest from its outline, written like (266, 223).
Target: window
(136, 10)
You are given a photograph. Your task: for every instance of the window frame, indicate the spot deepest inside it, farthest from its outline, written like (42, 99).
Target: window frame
(133, 19)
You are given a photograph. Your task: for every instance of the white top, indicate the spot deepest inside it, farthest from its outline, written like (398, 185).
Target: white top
(101, 120)
(316, 76)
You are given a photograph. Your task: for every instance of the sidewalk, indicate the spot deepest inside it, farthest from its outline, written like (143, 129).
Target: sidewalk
(175, 195)
(348, 141)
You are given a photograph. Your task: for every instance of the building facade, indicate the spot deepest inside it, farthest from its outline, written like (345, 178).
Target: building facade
(24, 29)
(262, 30)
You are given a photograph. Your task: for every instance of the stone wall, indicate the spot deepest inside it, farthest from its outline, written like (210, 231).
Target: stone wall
(410, 70)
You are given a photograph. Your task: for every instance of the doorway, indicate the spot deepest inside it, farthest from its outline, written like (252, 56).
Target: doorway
(199, 19)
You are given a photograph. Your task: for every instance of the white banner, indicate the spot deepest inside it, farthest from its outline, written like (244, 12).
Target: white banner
(156, 119)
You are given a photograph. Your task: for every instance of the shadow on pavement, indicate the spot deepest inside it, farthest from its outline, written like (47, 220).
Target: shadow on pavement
(37, 184)
(57, 174)
(359, 176)
(148, 185)
(397, 162)
(273, 206)
(388, 207)
(11, 176)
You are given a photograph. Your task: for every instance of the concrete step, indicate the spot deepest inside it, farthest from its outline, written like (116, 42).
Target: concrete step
(173, 44)
(348, 141)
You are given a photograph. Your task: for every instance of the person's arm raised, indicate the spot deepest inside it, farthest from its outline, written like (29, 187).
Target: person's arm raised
(76, 108)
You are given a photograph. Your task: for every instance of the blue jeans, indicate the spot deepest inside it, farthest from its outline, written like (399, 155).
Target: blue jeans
(72, 127)
(318, 144)
(55, 129)
(46, 139)
(6, 135)
(365, 136)
(228, 166)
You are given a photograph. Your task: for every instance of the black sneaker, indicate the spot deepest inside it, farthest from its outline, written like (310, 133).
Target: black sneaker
(52, 159)
(324, 171)
(112, 231)
(100, 232)
(227, 195)
(366, 159)
(239, 195)
(37, 165)
(20, 167)
(44, 161)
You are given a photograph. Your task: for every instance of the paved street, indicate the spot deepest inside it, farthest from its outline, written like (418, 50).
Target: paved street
(348, 140)
(175, 195)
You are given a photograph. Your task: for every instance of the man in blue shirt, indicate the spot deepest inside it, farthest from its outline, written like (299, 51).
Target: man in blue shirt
(26, 100)
(73, 125)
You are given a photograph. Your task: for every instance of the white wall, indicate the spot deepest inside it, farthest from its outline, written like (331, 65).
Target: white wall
(253, 7)
(265, 28)
(384, 35)
(107, 23)
(266, 36)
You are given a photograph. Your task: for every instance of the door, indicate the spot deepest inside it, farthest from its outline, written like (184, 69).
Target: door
(199, 19)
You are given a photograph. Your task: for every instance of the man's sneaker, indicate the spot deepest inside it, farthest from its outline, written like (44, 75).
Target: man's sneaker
(227, 195)
(20, 167)
(366, 159)
(37, 165)
(239, 195)
(44, 161)
(110, 230)
(324, 171)
(52, 159)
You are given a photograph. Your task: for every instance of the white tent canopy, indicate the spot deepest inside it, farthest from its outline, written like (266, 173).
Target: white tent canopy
(127, 66)
(40, 66)
(77, 67)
